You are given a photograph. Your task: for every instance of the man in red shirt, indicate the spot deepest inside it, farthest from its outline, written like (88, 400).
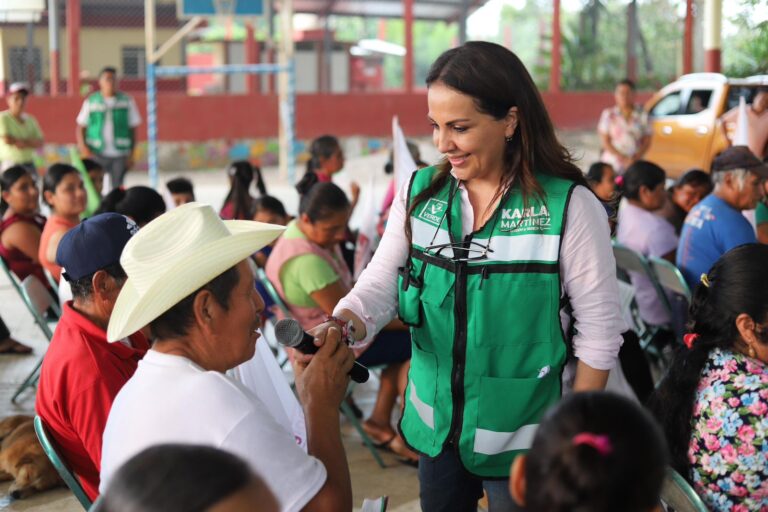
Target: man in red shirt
(82, 372)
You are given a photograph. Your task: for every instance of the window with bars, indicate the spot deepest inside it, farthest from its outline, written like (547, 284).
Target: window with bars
(20, 66)
(134, 61)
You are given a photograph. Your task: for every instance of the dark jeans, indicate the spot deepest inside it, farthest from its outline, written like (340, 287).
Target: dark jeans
(447, 487)
(116, 167)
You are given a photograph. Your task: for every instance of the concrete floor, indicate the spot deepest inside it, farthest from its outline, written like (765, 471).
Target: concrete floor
(397, 481)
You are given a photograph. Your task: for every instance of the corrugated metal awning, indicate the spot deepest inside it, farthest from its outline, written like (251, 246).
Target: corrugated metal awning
(445, 10)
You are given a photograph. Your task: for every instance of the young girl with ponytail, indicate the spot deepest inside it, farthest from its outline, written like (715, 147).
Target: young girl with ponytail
(239, 203)
(713, 402)
(593, 452)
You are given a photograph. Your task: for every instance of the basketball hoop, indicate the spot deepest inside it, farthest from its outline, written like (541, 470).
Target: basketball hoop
(225, 13)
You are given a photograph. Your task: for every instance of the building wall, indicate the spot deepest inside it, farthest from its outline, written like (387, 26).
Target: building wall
(204, 132)
(98, 47)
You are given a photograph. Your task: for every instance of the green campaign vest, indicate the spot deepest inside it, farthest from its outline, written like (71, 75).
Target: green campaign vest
(488, 346)
(97, 113)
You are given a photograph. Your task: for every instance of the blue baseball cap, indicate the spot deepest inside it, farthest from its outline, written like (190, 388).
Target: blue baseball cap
(94, 244)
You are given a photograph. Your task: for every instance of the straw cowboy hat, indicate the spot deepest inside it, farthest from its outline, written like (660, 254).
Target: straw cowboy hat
(176, 254)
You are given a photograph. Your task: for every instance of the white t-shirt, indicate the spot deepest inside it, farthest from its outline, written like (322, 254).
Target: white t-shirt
(172, 400)
(650, 235)
(134, 120)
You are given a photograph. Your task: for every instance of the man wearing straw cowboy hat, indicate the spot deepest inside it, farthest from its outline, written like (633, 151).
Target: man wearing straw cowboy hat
(189, 281)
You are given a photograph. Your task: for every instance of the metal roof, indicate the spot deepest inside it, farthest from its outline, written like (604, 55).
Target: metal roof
(445, 10)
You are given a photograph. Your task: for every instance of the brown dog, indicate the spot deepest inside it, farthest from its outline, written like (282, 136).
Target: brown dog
(23, 460)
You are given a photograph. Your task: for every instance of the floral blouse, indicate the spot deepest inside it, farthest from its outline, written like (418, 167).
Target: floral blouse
(729, 442)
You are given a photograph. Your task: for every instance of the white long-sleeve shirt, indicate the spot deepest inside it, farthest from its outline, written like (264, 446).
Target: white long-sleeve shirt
(587, 270)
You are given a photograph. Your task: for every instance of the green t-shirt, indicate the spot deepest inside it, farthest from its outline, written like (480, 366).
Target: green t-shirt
(761, 213)
(27, 130)
(304, 274)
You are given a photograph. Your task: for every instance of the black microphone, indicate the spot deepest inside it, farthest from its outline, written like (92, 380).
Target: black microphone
(290, 334)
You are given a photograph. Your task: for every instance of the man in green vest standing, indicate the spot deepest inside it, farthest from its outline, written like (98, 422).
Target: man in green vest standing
(106, 127)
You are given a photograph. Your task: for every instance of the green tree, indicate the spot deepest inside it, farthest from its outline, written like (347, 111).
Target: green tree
(745, 53)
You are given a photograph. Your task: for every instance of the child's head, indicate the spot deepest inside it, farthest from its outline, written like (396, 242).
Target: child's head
(269, 209)
(63, 190)
(691, 188)
(95, 172)
(594, 451)
(140, 203)
(181, 191)
(643, 185)
(602, 180)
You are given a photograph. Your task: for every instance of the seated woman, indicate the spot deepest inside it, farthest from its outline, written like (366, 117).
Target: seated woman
(712, 403)
(596, 452)
(142, 204)
(20, 230)
(187, 477)
(239, 203)
(602, 180)
(645, 232)
(309, 273)
(64, 192)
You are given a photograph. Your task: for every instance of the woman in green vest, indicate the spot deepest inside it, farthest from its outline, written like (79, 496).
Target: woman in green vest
(499, 259)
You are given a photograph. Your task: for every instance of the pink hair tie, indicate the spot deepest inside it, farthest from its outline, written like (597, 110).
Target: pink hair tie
(599, 442)
(619, 181)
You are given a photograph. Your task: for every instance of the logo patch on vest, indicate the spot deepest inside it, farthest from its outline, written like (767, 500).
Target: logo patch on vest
(524, 220)
(433, 211)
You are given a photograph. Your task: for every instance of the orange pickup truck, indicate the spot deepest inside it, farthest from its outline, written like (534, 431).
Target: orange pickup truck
(685, 118)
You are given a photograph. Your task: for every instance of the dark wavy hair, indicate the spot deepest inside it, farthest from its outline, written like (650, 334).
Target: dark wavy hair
(322, 147)
(140, 203)
(566, 476)
(497, 80)
(738, 283)
(175, 477)
(10, 176)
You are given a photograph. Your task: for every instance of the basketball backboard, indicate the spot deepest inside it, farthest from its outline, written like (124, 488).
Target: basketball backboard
(219, 8)
(21, 11)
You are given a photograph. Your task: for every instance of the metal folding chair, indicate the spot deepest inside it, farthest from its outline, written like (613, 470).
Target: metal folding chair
(679, 294)
(628, 260)
(61, 467)
(346, 410)
(678, 495)
(37, 300)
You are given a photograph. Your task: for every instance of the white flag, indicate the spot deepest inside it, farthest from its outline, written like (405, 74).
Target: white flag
(367, 237)
(742, 127)
(402, 161)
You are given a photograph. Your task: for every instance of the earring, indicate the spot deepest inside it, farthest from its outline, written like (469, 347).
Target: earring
(508, 139)
(752, 352)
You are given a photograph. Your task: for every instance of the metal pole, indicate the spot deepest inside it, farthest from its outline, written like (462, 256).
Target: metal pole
(408, 75)
(713, 24)
(688, 38)
(30, 55)
(149, 49)
(73, 37)
(554, 71)
(53, 46)
(285, 106)
(463, 21)
(152, 125)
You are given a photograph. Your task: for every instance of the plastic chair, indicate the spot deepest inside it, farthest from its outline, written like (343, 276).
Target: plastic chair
(679, 496)
(61, 467)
